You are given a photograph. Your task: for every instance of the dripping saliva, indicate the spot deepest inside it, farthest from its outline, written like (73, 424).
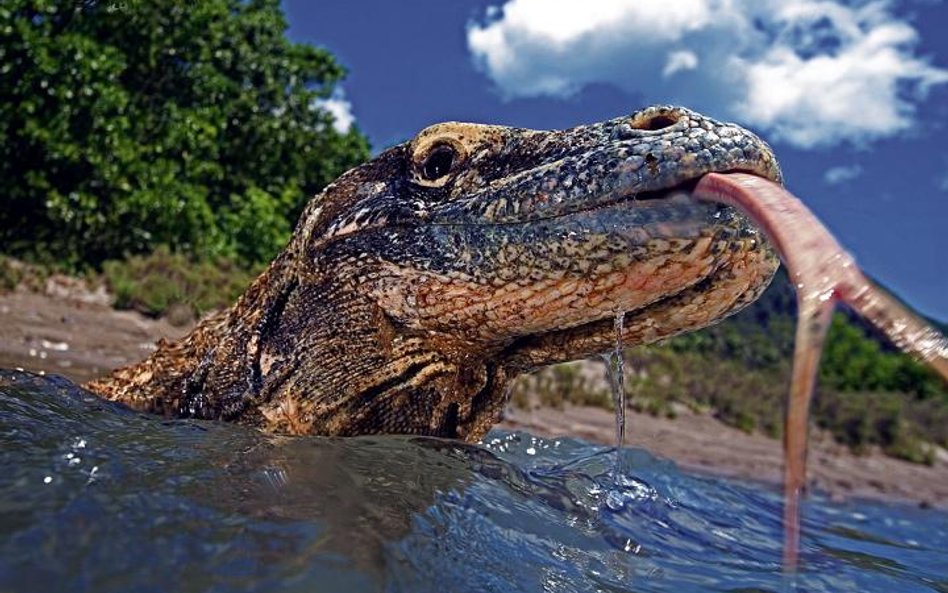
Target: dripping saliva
(615, 366)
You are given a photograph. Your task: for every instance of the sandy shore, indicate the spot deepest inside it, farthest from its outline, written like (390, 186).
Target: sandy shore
(76, 334)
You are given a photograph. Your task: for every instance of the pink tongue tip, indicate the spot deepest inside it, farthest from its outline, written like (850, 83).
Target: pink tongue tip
(822, 273)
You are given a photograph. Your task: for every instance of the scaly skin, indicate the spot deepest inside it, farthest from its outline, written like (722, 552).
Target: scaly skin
(420, 284)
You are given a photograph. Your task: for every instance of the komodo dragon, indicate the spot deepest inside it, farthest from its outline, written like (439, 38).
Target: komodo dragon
(418, 285)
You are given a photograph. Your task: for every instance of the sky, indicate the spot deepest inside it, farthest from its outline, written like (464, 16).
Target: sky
(852, 96)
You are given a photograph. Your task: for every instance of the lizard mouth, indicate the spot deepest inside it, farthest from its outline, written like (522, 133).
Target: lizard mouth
(740, 271)
(686, 187)
(539, 206)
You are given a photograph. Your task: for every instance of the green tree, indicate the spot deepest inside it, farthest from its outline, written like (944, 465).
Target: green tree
(128, 125)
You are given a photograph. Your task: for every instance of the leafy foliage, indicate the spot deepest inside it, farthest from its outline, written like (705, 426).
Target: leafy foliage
(125, 126)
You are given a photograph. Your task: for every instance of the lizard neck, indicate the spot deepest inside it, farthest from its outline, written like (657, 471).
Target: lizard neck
(304, 353)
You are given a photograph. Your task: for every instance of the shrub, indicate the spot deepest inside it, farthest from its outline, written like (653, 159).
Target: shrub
(156, 283)
(10, 275)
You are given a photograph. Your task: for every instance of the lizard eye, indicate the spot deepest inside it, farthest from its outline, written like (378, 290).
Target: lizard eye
(438, 163)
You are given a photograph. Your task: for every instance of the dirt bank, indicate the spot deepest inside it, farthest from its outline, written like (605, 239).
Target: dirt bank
(75, 333)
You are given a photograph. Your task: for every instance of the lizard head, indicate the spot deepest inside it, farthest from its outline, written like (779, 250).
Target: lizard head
(526, 244)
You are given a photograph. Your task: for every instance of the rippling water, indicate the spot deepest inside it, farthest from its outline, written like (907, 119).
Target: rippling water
(94, 497)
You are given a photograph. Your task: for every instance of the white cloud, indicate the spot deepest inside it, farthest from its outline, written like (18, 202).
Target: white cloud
(842, 174)
(340, 109)
(810, 72)
(679, 61)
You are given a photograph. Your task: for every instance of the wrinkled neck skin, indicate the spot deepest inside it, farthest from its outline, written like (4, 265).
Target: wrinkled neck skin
(304, 352)
(416, 287)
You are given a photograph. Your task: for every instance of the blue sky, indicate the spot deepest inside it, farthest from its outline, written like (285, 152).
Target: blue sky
(853, 96)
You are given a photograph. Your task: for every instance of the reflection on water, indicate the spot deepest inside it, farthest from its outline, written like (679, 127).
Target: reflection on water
(94, 497)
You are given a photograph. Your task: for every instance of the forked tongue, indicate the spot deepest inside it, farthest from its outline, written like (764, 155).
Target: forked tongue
(822, 273)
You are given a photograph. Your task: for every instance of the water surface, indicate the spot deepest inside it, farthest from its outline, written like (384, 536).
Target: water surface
(94, 497)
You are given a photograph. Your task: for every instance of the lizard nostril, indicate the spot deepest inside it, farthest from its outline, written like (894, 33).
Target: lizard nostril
(655, 121)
